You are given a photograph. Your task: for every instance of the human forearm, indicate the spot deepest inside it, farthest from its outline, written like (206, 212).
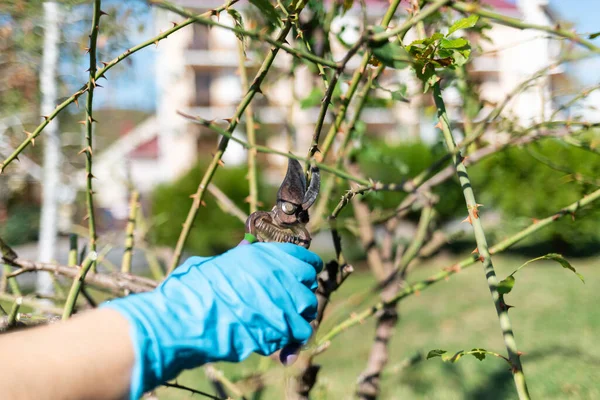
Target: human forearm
(87, 357)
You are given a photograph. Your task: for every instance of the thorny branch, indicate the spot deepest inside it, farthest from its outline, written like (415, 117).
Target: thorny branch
(115, 282)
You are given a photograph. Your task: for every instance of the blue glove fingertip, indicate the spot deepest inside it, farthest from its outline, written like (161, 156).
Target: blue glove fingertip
(299, 252)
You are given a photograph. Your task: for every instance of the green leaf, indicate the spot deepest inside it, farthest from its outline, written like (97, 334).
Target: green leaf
(461, 56)
(399, 95)
(391, 54)
(564, 263)
(435, 353)
(594, 35)
(464, 23)
(478, 353)
(506, 285)
(312, 100)
(453, 43)
(267, 9)
(555, 257)
(455, 357)
(238, 22)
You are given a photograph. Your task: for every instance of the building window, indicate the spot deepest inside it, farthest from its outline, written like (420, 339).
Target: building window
(203, 80)
(201, 37)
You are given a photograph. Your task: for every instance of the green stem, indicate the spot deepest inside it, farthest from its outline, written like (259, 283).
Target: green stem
(251, 134)
(412, 251)
(14, 311)
(208, 175)
(89, 194)
(12, 282)
(77, 284)
(482, 246)
(130, 232)
(72, 258)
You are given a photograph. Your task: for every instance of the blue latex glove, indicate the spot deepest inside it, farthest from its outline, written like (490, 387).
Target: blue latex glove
(255, 298)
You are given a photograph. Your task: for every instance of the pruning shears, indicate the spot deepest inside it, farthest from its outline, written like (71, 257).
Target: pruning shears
(286, 222)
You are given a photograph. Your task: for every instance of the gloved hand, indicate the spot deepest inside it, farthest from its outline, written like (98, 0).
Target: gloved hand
(255, 298)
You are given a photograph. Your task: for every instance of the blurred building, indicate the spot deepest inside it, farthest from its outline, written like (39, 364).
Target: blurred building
(197, 72)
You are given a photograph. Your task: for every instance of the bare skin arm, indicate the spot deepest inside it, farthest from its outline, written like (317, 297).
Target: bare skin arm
(88, 357)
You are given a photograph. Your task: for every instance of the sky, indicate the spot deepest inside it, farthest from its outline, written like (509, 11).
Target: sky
(134, 87)
(585, 14)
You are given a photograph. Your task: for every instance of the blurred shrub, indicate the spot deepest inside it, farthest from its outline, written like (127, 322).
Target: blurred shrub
(519, 183)
(214, 231)
(22, 224)
(534, 182)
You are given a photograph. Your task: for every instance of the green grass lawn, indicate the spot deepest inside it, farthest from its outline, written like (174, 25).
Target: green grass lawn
(556, 320)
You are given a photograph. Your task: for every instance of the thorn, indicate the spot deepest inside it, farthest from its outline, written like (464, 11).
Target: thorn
(221, 163)
(455, 268)
(174, 24)
(86, 49)
(228, 120)
(468, 219)
(31, 137)
(481, 259)
(99, 85)
(438, 125)
(203, 203)
(259, 90)
(476, 251)
(475, 210)
(91, 176)
(193, 196)
(82, 122)
(93, 82)
(463, 159)
(104, 63)
(103, 13)
(156, 43)
(535, 220)
(76, 101)
(46, 117)
(86, 217)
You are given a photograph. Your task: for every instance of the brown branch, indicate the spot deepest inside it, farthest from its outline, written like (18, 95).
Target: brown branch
(115, 282)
